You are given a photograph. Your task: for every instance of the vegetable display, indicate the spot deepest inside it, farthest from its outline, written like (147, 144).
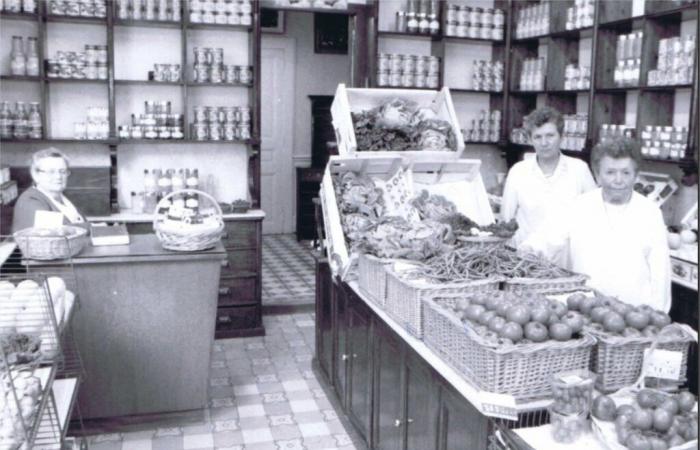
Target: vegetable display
(467, 263)
(400, 125)
(395, 237)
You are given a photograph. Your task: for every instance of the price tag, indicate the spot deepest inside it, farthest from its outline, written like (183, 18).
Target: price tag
(663, 364)
(498, 405)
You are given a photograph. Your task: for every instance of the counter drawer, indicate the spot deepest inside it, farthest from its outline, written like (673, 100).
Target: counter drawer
(237, 318)
(238, 291)
(240, 234)
(238, 261)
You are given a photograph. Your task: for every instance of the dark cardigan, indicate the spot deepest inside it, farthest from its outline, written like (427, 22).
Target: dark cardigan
(31, 201)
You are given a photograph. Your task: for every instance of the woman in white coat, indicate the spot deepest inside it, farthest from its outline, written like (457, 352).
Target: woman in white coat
(612, 234)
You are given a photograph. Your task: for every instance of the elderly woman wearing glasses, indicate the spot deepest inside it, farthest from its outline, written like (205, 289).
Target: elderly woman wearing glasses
(537, 188)
(49, 171)
(612, 234)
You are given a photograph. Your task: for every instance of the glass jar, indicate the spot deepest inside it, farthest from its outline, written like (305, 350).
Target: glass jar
(401, 23)
(32, 57)
(498, 18)
(452, 13)
(18, 63)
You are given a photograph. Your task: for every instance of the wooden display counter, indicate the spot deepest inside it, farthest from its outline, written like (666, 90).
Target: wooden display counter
(145, 327)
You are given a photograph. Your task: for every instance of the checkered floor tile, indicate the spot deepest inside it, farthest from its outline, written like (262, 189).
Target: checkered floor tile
(288, 271)
(263, 395)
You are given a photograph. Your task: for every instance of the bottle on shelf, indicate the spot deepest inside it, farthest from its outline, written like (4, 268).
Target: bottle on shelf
(192, 199)
(18, 60)
(150, 191)
(20, 129)
(5, 120)
(35, 129)
(32, 57)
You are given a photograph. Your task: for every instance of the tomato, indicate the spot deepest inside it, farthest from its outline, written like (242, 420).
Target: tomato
(638, 442)
(573, 301)
(650, 331)
(599, 313)
(587, 304)
(557, 308)
(662, 419)
(629, 332)
(625, 410)
(642, 419)
(560, 331)
(474, 311)
(637, 319)
(671, 405)
(536, 332)
(686, 401)
(574, 320)
(657, 443)
(646, 398)
(512, 331)
(519, 314)
(485, 317)
(675, 440)
(540, 314)
(660, 319)
(603, 408)
(496, 324)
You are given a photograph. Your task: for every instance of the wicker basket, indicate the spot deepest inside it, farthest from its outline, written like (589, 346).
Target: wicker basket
(482, 241)
(523, 371)
(618, 359)
(45, 244)
(183, 236)
(371, 276)
(572, 282)
(404, 297)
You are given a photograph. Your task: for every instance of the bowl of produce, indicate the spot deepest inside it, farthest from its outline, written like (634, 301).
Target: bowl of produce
(567, 428)
(572, 391)
(51, 243)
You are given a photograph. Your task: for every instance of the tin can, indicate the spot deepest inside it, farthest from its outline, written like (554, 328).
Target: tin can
(52, 68)
(100, 9)
(65, 70)
(407, 79)
(451, 28)
(244, 112)
(383, 62)
(200, 131)
(195, 17)
(163, 10)
(201, 73)
(72, 8)
(433, 65)
(150, 9)
(87, 8)
(229, 132)
(432, 81)
(136, 9)
(91, 71)
(229, 114)
(408, 64)
(217, 56)
(176, 133)
(230, 75)
(101, 52)
(419, 80)
(234, 19)
(136, 132)
(462, 29)
(56, 7)
(395, 63)
(382, 78)
(102, 71)
(212, 114)
(149, 107)
(485, 32)
(497, 34)
(421, 64)
(163, 133)
(463, 14)
(452, 13)
(215, 75)
(246, 19)
(176, 14)
(243, 132)
(394, 79)
(245, 74)
(214, 132)
(200, 114)
(208, 17)
(174, 74)
(232, 8)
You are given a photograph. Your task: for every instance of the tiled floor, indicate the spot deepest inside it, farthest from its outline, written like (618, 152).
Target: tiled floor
(288, 271)
(263, 396)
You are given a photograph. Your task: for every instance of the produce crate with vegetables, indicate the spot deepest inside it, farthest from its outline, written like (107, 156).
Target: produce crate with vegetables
(418, 124)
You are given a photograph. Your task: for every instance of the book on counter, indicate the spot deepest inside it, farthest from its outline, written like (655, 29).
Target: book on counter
(109, 235)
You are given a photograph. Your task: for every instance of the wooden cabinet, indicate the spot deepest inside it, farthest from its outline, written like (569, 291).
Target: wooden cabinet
(308, 185)
(393, 398)
(239, 311)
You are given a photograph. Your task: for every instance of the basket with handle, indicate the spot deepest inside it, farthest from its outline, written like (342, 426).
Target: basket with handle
(522, 371)
(188, 233)
(606, 431)
(51, 243)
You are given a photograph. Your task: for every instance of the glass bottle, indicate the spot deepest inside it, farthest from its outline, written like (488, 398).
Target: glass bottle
(32, 57)
(411, 17)
(19, 122)
(5, 120)
(18, 64)
(34, 121)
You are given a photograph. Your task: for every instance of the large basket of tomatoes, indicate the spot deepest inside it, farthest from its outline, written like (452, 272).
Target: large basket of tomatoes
(506, 343)
(622, 333)
(405, 295)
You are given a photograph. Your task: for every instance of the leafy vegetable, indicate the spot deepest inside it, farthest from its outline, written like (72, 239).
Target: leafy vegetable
(434, 207)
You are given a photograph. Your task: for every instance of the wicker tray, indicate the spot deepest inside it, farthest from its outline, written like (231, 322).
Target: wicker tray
(545, 285)
(371, 276)
(404, 297)
(522, 371)
(618, 360)
(44, 244)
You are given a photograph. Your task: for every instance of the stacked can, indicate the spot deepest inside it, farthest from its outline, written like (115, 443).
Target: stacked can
(209, 67)
(20, 123)
(408, 71)
(95, 127)
(83, 8)
(577, 77)
(532, 21)
(165, 73)
(487, 128)
(16, 6)
(575, 130)
(161, 10)
(223, 123)
(487, 76)
(90, 64)
(664, 142)
(675, 64)
(474, 22)
(580, 15)
(533, 74)
(157, 122)
(221, 12)
(610, 131)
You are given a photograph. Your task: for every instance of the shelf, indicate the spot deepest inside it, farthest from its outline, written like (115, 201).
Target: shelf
(311, 10)
(147, 23)
(683, 162)
(60, 141)
(529, 40)
(238, 85)
(410, 88)
(474, 91)
(568, 91)
(76, 19)
(519, 92)
(20, 78)
(75, 80)
(64, 394)
(18, 15)
(626, 22)
(147, 83)
(689, 7)
(670, 87)
(399, 34)
(474, 40)
(613, 90)
(181, 141)
(572, 34)
(215, 26)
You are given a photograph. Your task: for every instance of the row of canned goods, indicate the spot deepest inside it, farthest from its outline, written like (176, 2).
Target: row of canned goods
(577, 77)
(487, 128)
(408, 79)
(93, 54)
(219, 73)
(16, 6)
(392, 62)
(165, 73)
(218, 132)
(473, 31)
(78, 70)
(149, 132)
(222, 114)
(222, 12)
(487, 76)
(158, 120)
(476, 15)
(162, 10)
(84, 8)
(575, 129)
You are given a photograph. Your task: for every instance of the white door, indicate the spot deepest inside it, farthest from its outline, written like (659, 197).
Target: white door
(277, 133)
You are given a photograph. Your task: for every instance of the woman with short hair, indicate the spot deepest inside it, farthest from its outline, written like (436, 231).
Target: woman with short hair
(49, 170)
(539, 187)
(613, 235)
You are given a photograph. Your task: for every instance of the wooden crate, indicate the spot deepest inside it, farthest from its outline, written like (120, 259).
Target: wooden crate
(459, 181)
(348, 100)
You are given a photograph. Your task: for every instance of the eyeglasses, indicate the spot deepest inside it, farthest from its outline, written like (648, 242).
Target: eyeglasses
(64, 172)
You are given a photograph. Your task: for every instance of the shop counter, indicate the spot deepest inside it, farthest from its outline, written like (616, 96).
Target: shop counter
(145, 327)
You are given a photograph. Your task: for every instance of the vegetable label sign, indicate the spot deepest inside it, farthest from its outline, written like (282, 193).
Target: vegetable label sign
(498, 405)
(663, 364)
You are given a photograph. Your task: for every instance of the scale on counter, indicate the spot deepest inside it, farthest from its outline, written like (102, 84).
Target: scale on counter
(658, 187)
